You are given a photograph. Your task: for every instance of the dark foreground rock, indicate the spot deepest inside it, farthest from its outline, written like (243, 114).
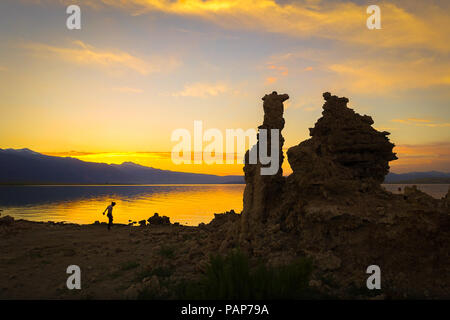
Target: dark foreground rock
(156, 219)
(6, 221)
(333, 210)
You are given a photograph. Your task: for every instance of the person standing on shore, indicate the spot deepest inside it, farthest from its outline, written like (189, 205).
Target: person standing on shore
(109, 215)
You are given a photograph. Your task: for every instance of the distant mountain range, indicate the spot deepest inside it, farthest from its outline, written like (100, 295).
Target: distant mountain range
(418, 177)
(24, 166)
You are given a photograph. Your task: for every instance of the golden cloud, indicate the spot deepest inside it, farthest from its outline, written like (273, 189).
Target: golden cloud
(202, 90)
(421, 122)
(380, 75)
(434, 156)
(270, 80)
(342, 21)
(85, 54)
(280, 71)
(380, 71)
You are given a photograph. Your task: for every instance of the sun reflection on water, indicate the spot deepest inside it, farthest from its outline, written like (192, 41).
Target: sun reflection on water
(186, 204)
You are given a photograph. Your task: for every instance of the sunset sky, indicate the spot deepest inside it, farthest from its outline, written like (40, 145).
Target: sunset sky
(115, 90)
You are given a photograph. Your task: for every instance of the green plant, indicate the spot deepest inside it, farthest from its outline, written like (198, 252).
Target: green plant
(231, 277)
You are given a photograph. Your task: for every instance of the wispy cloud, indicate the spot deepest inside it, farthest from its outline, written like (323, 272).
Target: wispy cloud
(81, 53)
(202, 90)
(421, 122)
(378, 72)
(339, 20)
(280, 69)
(392, 73)
(276, 72)
(410, 51)
(271, 80)
(421, 157)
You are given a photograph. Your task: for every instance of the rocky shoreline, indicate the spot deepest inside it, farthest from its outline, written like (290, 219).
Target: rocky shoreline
(114, 265)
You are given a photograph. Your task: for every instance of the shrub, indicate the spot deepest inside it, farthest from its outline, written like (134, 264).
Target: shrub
(231, 277)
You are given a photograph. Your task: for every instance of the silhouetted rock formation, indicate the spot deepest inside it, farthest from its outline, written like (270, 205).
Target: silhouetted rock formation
(6, 221)
(262, 190)
(333, 209)
(446, 199)
(142, 223)
(344, 151)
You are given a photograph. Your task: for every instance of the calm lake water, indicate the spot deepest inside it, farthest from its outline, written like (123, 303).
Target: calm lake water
(186, 204)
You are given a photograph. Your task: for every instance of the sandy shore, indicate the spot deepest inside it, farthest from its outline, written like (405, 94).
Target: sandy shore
(34, 258)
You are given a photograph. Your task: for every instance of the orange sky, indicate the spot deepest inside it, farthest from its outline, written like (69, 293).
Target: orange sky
(137, 70)
(411, 158)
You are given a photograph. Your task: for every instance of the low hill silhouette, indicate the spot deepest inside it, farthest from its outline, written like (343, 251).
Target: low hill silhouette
(24, 166)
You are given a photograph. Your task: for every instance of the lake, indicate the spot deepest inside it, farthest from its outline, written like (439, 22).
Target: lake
(186, 204)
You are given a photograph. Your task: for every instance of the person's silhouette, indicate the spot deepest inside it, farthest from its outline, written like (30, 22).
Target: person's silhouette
(109, 215)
